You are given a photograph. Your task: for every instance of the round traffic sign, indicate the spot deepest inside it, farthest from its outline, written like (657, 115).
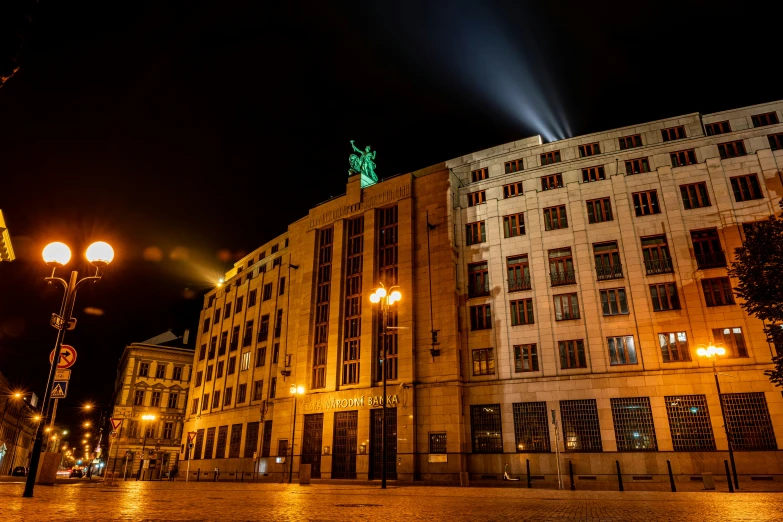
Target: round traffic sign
(67, 356)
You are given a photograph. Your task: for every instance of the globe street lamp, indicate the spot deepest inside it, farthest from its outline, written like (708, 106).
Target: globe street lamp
(295, 390)
(147, 417)
(711, 353)
(57, 255)
(386, 299)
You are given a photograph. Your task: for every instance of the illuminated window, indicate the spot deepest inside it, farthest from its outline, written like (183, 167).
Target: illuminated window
(484, 361)
(513, 166)
(634, 429)
(694, 195)
(689, 422)
(590, 149)
(486, 428)
(731, 149)
(674, 346)
(673, 133)
(768, 118)
(732, 340)
(531, 427)
(245, 361)
(480, 174)
(720, 127)
(630, 142)
(581, 430)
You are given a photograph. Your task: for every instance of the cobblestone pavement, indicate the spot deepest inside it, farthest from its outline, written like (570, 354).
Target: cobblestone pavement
(237, 501)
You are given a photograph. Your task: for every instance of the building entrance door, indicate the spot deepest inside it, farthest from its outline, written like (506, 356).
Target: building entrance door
(344, 455)
(376, 449)
(311, 442)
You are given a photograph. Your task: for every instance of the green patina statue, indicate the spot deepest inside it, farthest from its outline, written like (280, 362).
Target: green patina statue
(363, 164)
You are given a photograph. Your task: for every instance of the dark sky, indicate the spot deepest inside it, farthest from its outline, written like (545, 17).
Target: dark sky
(200, 127)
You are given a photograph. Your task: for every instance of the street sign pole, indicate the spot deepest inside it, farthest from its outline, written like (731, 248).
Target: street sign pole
(191, 436)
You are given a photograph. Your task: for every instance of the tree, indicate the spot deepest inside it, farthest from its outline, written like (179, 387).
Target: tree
(759, 268)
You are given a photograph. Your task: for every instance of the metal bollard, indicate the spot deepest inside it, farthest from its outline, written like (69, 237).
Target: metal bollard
(619, 475)
(671, 476)
(728, 476)
(529, 482)
(571, 474)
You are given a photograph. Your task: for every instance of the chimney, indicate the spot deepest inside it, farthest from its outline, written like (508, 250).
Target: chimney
(185, 336)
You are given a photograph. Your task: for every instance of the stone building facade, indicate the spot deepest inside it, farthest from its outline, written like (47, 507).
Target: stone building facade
(577, 277)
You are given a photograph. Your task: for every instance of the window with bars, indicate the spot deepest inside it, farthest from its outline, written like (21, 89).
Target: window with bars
(561, 267)
(589, 149)
(689, 422)
(746, 187)
(607, 261)
(775, 141)
(548, 158)
(748, 421)
(694, 195)
(484, 361)
(531, 427)
(599, 210)
(522, 312)
(477, 198)
(512, 190)
(622, 350)
(251, 439)
(513, 166)
(717, 291)
(761, 120)
(613, 301)
(731, 149)
(514, 225)
(352, 329)
(480, 317)
(683, 157)
(591, 174)
(637, 166)
(581, 430)
(551, 182)
(210, 443)
(572, 354)
(706, 247)
(630, 142)
(486, 428)
(555, 218)
(388, 272)
(664, 297)
(475, 233)
(479, 174)
(235, 441)
(258, 390)
(518, 270)
(478, 279)
(566, 307)
(719, 127)
(438, 443)
(322, 296)
(673, 133)
(525, 358)
(674, 346)
(646, 203)
(732, 340)
(634, 429)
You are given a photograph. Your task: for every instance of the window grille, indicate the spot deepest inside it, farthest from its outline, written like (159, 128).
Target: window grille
(581, 431)
(748, 420)
(486, 430)
(438, 443)
(235, 441)
(689, 421)
(633, 424)
(531, 427)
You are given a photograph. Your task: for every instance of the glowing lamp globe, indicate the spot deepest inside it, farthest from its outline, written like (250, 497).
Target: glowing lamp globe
(395, 296)
(374, 298)
(381, 292)
(100, 254)
(300, 390)
(56, 254)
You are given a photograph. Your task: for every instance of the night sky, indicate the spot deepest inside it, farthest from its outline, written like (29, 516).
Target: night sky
(186, 136)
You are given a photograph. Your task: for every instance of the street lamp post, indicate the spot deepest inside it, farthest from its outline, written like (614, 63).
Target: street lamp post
(145, 417)
(386, 299)
(711, 352)
(56, 255)
(295, 390)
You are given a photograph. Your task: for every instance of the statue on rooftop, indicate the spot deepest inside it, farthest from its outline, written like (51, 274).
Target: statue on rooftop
(363, 164)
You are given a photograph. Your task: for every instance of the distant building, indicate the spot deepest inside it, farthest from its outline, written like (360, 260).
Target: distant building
(152, 379)
(6, 250)
(17, 426)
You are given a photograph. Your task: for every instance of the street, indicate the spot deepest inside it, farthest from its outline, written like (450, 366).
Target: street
(237, 501)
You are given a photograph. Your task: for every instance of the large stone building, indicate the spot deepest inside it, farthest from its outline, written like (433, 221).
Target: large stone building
(18, 421)
(577, 277)
(152, 380)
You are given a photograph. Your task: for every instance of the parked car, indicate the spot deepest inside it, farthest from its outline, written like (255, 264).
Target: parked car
(76, 473)
(19, 471)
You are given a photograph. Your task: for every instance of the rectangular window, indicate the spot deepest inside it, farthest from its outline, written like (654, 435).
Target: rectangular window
(581, 430)
(518, 270)
(245, 361)
(513, 166)
(622, 350)
(477, 198)
(646, 203)
(717, 291)
(484, 361)
(664, 297)
(215, 399)
(352, 327)
(731, 149)
(177, 375)
(261, 357)
(590, 149)
(251, 439)
(630, 142)
(550, 157)
(514, 225)
(205, 402)
(234, 338)
(683, 157)
(572, 354)
(138, 398)
(673, 133)
(160, 371)
(275, 248)
(478, 279)
(555, 218)
(657, 259)
(144, 369)
(217, 315)
(614, 302)
(247, 340)
(279, 323)
(694, 195)
(607, 261)
(266, 442)
(551, 182)
(438, 443)
(258, 390)
(202, 354)
(263, 331)
(173, 399)
(220, 448)
(775, 141)
(637, 166)
(761, 120)
(219, 372)
(150, 431)
(634, 429)
(209, 373)
(599, 210)
(228, 396)
(199, 376)
(227, 311)
(275, 353)
(235, 441)
(241, 393)
(240, 299)
(194, 408)
(748, 420)
(267, 295)
(591, 174)
(561, 267)
(475, 233)
(281, 284)
(479, 174)
(746, 187)
(512, 190)
(486, 428)
(251, 299)
(322, 297)
(273, 387)
(531, 427)
(388, 267)
(706, 247)
(732, 340)
(674, 346)
(566, 307)
(480, 317)
(223, 343)
(210, 443)
(720, 127)
(205, 329)
(689, 422)
(522, 312)
(198, 445)
(525, 358)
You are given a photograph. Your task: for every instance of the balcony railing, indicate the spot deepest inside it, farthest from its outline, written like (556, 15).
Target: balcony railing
(658, 266)
(567, 277)
(519, 283)
(711, 259)
(478, 289)
(605, 272)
